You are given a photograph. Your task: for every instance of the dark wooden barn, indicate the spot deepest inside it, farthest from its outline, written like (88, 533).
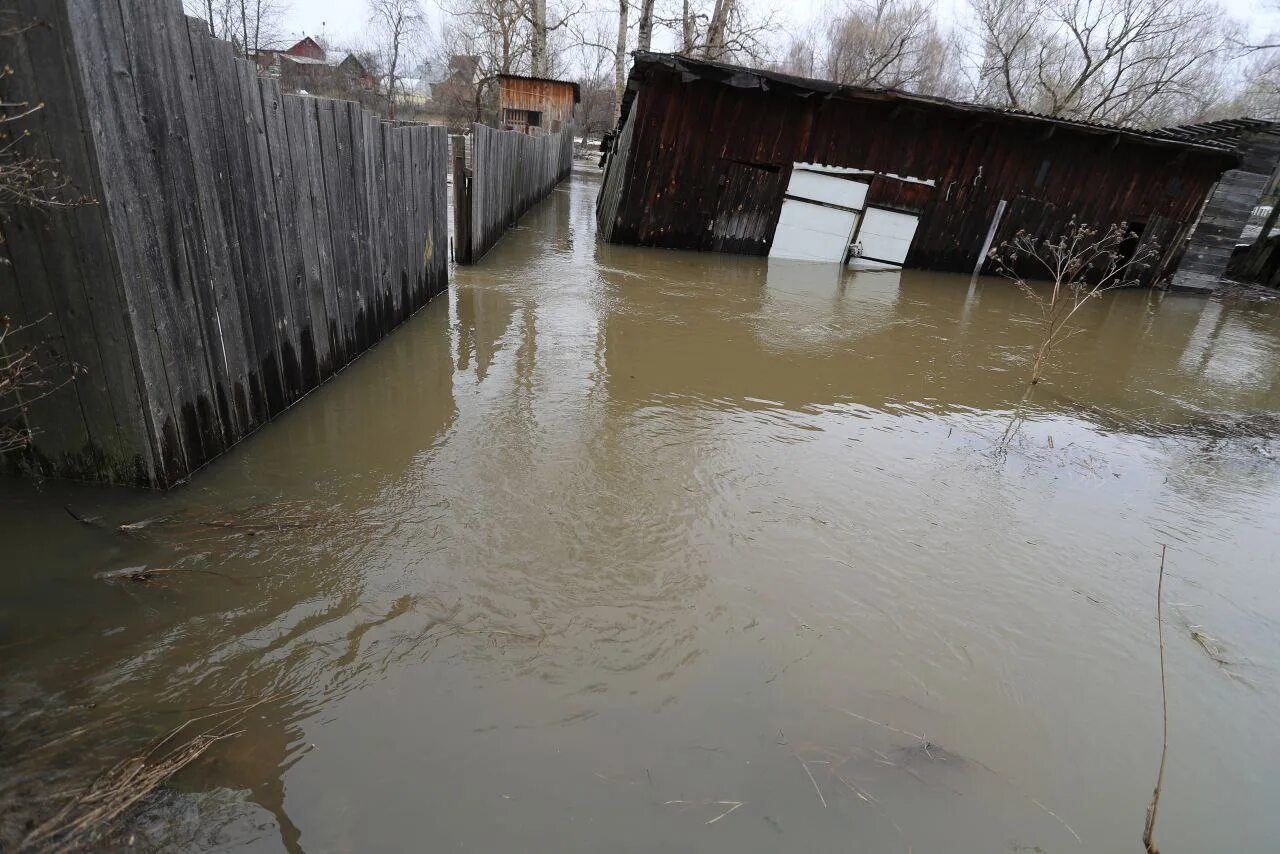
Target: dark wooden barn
(717, 157)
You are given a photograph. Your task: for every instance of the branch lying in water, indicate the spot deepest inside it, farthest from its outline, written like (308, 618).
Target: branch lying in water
(1148, 832)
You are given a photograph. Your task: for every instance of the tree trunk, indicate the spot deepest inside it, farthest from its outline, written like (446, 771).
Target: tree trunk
(391, 73)
(257, 28)
(213, 31)
(686, 31)
(538, 50)
(644, 41)
(715, 32)
(620, 59)
(244, 27)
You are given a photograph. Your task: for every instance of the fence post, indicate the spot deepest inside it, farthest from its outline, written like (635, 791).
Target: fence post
(461, 202)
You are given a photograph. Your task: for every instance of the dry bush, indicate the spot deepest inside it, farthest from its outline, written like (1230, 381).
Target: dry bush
(1082, 264)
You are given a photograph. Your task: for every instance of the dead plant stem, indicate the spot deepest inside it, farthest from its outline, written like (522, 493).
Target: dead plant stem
(1148, 833)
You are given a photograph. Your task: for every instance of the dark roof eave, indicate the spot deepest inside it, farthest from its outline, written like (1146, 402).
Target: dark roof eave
(751, 78)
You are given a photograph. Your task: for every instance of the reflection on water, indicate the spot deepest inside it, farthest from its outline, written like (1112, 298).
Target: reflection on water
(623, 549)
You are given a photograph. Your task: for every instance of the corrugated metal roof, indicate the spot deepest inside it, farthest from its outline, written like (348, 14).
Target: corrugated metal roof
(577, 91)
(1224, 131)
(755, 78)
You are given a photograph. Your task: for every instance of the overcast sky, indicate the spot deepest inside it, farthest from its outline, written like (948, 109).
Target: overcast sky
(345, 21)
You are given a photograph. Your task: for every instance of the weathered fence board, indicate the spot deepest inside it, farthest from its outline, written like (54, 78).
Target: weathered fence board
(245, 244)
(510, 173)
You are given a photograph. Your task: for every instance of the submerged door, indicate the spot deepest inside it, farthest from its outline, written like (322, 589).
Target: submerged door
(809, 232)
(819, 216)
(885, 236)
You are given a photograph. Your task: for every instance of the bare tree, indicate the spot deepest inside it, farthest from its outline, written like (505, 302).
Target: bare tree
(715, 43)
(535, 12)
(495, 31)
(1139, 62)
(620, 58)
(398, 26)
(594, 39)
(724, 30)
(893, 44)
(644, 37)
(250, 25)
(688, 29)
(492, 38)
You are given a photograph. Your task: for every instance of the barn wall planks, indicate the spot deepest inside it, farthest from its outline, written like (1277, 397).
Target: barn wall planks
(244, 245)
(510, 173)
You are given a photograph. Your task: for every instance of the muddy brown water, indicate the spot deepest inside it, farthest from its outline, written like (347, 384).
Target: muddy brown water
(615, 549)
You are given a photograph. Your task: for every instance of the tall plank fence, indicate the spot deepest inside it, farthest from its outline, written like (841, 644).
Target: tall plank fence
(245, 245)
(510, 173)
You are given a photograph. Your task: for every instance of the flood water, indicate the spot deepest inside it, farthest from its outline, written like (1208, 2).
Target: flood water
(617, 549)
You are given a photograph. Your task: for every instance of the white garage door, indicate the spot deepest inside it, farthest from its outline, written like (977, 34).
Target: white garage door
(886, 235)
(809, 232)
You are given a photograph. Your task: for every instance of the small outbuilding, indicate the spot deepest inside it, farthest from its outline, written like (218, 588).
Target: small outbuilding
(536, 104)
(718, 157)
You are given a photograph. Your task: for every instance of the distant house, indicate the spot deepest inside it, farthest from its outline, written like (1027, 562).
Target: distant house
(307, 48)
(306, 66)
(536, 104)
(458, 86)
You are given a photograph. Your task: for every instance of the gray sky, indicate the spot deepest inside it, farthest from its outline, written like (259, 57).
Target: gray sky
(345, 21)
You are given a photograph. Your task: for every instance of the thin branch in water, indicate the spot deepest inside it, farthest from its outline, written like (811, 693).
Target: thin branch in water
(816, 787)
(1148, 833)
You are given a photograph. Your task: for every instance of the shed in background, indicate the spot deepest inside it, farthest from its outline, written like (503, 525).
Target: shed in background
(718, 157)
(536, 104)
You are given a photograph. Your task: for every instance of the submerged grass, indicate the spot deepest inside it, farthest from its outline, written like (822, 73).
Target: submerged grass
(77, 815)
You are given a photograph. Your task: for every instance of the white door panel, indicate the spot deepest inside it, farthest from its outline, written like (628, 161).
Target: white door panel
(808, 232)
(887, 235)
(826, 188)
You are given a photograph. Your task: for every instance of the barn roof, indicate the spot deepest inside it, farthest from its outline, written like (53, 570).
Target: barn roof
(577, 91)
(1224, 131)
(803, 87)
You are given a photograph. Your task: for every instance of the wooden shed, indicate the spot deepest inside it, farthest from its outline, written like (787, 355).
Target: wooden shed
(536, 104)
(718, 157)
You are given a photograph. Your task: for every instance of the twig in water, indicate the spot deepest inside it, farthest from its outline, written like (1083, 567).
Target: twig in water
(816, 788)
(1059, 819)
(916, 736)
(874, 803)
(733, 805)
(1149, 831)
(685, 805)
(785, 666)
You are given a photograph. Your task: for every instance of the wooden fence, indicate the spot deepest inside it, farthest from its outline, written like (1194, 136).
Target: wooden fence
(244, 244)
(510, 173)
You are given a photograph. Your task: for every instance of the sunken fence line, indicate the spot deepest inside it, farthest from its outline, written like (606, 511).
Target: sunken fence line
(243, 245)
(510, 173)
